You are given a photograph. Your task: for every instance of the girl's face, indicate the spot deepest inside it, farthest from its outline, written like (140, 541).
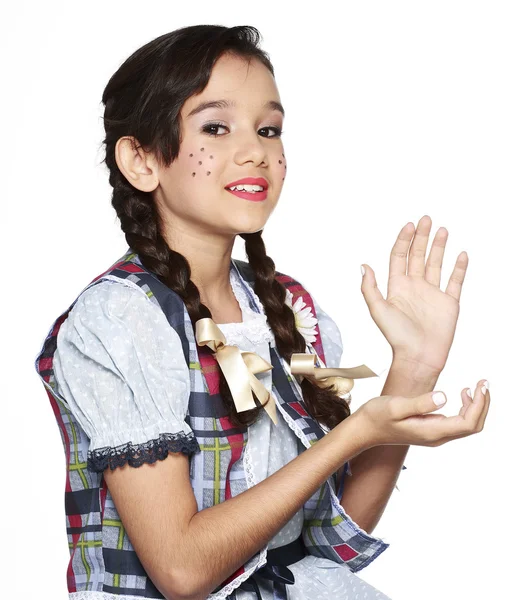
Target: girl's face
(238, 137)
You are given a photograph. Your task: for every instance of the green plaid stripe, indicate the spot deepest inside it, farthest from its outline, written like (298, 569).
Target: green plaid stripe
(98, 541)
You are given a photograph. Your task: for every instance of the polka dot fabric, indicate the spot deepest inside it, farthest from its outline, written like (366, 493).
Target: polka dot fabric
(120, 366)
(271, 447)
(319, 579)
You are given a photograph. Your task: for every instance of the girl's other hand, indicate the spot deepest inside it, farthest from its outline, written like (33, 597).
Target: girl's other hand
(399, 420)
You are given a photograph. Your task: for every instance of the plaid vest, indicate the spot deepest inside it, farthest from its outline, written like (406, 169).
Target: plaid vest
(102, 558)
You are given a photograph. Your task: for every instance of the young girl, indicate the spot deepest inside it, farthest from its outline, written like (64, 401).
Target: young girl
(210, 448)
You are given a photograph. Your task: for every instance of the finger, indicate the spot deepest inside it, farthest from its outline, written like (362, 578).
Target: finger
(435, 259)
(416, 261)
(466, 423)
(454, 287)
(398, 255)
(484, 400)
(403, 408)
(483, 415)
(442, 427)
(371, 293)
(466, 401)
(471, 405)
(485, 411)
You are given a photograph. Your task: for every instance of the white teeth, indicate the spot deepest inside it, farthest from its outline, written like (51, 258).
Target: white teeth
(247, 188)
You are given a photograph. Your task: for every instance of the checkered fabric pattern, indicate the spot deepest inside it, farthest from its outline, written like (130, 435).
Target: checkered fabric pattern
(102, 557)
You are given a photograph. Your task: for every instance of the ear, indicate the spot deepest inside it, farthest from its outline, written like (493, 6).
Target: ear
(137, 166)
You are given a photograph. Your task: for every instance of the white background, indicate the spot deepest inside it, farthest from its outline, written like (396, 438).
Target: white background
(394, 110)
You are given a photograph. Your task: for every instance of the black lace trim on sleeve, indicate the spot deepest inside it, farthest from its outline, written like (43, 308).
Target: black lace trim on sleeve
(139, 454)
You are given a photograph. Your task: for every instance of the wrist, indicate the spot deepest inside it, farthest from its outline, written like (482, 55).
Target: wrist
(359, 432)
(408, 379)
(414, 370)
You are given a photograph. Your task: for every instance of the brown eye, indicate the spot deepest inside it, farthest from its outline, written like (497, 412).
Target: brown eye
(277, 131)
(208, 129)
(211, 129)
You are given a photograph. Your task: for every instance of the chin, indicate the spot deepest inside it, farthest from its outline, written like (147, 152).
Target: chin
(251, 227)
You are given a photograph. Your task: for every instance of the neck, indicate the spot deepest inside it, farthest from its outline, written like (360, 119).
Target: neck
(209, 257)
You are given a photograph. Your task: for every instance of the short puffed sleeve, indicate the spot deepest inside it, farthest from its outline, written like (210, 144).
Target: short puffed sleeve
(121, 369)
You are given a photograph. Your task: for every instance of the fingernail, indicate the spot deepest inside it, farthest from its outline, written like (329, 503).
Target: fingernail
(469, 393)
(485, 387)
(439, 398)
(363, 270)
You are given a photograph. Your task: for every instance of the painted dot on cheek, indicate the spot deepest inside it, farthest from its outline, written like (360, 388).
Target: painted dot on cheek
(200, 162)
(280, 162)
(191, 154)
(208, 172)
(202, 149)
(211, 156)
(194, 174)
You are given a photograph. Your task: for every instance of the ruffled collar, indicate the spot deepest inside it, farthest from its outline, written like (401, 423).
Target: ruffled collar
(254, 326)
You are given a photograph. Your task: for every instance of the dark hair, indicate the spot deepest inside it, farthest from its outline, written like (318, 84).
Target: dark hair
(143, 100)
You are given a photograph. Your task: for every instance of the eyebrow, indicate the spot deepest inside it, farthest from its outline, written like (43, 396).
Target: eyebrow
(272, 104)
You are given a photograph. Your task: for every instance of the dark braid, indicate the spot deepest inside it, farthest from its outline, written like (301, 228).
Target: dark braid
(321, 402)
(143, 100)
(140, 221)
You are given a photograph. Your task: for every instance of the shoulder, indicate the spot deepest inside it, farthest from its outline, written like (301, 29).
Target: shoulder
(110, 309)
(116, 327)
(113, 297)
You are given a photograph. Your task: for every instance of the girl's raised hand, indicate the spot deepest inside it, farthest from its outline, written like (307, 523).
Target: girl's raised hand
(417, 318)
(399, 420)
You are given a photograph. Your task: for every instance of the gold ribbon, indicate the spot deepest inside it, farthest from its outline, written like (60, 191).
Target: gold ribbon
(342, 379)
(239, 368)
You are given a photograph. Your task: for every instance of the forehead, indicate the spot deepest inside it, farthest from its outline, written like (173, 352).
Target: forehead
(236, 84)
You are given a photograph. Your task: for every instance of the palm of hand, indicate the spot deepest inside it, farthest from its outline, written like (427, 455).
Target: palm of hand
(417, 318)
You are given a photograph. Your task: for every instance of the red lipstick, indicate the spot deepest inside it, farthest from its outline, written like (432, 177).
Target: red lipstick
(251, 181)
(253, 196)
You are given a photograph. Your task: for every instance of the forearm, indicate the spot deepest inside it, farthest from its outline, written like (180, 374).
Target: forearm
(220, 539)
(376, 470)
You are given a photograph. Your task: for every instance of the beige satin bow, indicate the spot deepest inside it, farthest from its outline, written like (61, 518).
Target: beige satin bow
(342, 379)
(239, 368)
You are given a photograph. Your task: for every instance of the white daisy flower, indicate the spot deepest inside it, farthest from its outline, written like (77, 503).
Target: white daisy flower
(304, 319)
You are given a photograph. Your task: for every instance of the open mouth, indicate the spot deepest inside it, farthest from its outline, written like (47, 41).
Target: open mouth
(252, 194)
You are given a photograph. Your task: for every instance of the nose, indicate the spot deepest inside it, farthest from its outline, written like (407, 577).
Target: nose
(250, 149)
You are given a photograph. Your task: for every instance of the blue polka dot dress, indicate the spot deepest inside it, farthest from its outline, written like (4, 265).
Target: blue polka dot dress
(270, 447)
(133, 353)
